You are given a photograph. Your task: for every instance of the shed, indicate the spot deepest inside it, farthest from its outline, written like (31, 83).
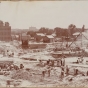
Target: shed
(48, 39)
(39, 36)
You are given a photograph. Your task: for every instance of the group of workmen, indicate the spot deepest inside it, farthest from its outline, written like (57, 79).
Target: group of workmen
(9, 67)
(64, 68)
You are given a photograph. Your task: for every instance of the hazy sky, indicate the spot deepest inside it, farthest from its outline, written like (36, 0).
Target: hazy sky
(24, 14)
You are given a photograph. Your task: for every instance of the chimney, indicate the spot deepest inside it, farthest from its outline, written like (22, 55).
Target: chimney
(6, 23)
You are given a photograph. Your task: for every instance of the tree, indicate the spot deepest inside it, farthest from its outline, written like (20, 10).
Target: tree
(43, 30)
(58, 31)
(71, 29)
(49, 32)
(65, 32)
(31, 33)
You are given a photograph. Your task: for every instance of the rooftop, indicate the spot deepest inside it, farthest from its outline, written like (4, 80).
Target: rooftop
(50, 36)
(41, 34)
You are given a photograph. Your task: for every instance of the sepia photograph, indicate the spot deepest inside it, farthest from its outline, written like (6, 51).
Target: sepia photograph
(43, 43)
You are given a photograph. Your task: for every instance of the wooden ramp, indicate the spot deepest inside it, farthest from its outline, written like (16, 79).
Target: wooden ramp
(79, 65)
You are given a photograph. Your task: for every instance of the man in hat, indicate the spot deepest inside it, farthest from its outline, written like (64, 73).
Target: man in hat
(81, 59)
(67, 70)
(63, 61)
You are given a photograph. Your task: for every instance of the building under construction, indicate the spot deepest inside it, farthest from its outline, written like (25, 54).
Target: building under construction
(5, 31)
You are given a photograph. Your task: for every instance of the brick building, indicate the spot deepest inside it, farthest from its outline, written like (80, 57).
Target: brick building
(5, 31)
(25, 39)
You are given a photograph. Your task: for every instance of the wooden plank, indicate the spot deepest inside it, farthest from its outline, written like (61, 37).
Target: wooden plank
(78, 65)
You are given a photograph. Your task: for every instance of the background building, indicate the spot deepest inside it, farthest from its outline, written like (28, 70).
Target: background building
(39, 37)
(5, 31)
(33, 29)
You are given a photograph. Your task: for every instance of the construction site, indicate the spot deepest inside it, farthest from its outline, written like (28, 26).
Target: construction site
(49, 65)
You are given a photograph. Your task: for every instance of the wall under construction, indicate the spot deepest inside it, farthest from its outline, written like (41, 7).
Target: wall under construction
(37, 46)
(25, 44)
(25, 40)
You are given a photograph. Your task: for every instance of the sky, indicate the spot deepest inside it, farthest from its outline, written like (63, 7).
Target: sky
(50, 14)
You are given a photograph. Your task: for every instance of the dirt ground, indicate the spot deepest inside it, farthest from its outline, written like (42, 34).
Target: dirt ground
(33, 77)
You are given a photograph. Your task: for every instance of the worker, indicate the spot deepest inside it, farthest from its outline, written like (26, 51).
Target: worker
(40, 62)
(8, 68)
(63, 61)
(67, 70)
(13, 54)
(58, 63)
(62, 68)
(62, 72)
(66, 45)
(49, 70)
(43, 73)
(6, 65)
(75, 71)
(52, 62)
(0, 68)
(8, 83)
(21, 66)
(87, 73)
(71, 49)
(81, 59)
(47, 62)
(11, 66)
(78, 60)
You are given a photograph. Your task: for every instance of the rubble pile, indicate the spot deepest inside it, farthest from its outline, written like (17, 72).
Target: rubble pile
(35, 76)
(80, 81)
(21, 74)
(27, 75)
(73, 81)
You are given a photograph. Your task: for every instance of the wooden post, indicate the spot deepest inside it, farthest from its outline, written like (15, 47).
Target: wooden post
(75, 71)
(87, 73)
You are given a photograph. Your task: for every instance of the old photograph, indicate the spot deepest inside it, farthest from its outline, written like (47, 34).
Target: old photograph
(43, 43)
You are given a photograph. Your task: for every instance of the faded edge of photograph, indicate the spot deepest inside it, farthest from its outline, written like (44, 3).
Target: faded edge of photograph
(43, 44)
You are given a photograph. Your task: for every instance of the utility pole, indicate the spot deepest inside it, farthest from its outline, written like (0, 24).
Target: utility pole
(62, 44)
(81, 35)
(81, 38)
